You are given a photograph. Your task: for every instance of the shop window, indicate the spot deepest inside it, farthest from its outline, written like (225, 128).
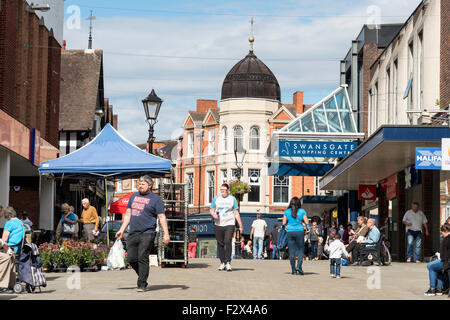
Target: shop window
(254, 138)
(211, 185)
(211, 142)
(280, 189)
(224, 139)
(254, 180)
(190, 187)
(190, 144)
(224, 173)
(238, 137)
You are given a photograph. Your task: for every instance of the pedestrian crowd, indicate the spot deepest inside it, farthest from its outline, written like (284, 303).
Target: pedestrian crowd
(297, 239)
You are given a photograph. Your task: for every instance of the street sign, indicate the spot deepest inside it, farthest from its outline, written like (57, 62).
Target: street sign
(315, 148)
(428, 158)
(445, 154)
(367, 192)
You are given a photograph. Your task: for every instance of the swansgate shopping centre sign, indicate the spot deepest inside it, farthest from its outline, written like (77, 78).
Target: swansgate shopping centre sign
(315, 148)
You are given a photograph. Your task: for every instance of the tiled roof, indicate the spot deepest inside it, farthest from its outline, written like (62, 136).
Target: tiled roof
(292, 109)
(80, 72)
(197, 116)
(215, 113)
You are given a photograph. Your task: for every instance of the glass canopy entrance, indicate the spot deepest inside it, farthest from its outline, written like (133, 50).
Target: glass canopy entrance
(327, 126)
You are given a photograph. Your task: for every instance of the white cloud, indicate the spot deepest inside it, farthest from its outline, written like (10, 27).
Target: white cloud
(180, 82)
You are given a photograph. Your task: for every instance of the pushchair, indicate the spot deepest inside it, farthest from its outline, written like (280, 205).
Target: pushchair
(28, 265)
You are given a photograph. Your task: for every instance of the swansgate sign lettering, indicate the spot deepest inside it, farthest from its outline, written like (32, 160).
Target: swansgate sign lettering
(315, 149)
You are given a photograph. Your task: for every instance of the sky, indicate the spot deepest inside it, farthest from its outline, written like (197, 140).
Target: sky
(184, 49)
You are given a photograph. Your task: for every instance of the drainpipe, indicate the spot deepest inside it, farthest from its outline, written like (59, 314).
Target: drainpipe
(354, 76)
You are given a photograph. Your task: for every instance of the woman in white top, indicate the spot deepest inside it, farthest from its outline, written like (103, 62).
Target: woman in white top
(224, 210)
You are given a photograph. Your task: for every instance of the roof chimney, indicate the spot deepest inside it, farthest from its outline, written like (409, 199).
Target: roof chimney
(298, 101)
(204, 105)
(64, 45)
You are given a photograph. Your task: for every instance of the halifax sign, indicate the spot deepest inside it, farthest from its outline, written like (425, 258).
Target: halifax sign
(428, 158)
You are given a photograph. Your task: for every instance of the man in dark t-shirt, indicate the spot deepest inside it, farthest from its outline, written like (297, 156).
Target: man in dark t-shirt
(143, 210)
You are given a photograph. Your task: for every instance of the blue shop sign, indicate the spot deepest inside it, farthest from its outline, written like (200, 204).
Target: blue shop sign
(315, 148)
(202, 226)
(428, 158)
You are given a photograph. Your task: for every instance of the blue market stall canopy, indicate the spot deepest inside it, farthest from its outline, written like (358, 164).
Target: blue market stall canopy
(108, 154)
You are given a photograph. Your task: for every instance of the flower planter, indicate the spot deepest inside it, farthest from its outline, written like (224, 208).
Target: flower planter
(59, 255)
(47, 268)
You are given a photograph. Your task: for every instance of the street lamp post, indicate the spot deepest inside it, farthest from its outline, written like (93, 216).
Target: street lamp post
(239, 155)
(152, 104)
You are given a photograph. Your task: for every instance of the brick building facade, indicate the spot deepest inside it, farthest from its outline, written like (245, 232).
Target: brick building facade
(194, 168)
(30, 66)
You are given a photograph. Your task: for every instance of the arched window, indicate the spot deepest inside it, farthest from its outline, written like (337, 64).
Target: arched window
(224, 139)
(254, 138)
(237, 135)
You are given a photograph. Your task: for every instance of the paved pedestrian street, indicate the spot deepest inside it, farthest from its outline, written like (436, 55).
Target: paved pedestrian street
(249, 280)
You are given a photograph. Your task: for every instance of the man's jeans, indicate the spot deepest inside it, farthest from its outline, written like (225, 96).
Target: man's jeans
(314, 247)
(414, 240)
(436, 274)
(138, 251)
(276, 252)
(335, 266)
(258, 246)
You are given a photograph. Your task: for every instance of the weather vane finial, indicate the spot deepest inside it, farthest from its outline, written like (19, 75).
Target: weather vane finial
(91, 18)
(251, 39)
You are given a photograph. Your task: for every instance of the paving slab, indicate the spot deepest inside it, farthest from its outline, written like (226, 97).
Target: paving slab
(249, 280)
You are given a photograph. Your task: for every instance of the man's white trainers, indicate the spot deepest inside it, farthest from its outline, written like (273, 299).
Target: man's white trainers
(228, 267)
(222, 266)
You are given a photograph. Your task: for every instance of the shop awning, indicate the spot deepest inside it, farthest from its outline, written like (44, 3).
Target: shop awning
(120, 206)
(315, 205)
(389, 150)
(298, 169)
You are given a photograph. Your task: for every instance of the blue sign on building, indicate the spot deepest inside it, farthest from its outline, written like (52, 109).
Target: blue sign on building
(315, 148)
(428, 158)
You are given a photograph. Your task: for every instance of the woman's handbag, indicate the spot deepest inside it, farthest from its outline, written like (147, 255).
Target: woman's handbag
(69, 229)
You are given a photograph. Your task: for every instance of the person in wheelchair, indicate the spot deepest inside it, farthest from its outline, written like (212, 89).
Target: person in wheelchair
(12, 237)
(371, 241)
